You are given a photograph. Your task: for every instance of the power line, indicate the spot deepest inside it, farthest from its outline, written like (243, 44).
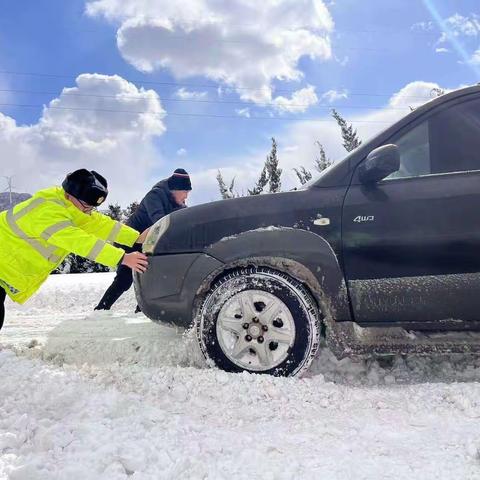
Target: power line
(390, 31)
(181, 38)
(192, 100)
(197, 85)
(179, 114)
(383, 31)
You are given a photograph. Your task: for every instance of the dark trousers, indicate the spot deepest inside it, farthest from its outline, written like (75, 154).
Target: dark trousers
(3, 295)
(122, 282)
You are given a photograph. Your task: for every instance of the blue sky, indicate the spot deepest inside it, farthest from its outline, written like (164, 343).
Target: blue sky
(377, 49)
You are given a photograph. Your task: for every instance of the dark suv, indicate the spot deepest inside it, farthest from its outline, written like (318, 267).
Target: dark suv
(381, 254)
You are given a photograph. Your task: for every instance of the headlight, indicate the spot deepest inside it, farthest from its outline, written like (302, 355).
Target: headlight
(155, 234)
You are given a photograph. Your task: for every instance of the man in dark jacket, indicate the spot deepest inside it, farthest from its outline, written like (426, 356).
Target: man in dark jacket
(165, 197)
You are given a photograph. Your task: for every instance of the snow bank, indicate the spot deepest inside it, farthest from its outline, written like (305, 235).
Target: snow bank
(60, 324)
(177, 423)
(117, 397)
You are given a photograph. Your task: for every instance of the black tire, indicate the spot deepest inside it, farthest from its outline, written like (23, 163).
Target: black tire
(303, 317)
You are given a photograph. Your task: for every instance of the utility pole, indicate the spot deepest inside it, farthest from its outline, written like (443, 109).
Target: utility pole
(9, 187)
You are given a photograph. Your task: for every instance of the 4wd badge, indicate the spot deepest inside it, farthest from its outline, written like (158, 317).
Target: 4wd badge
(364, 218)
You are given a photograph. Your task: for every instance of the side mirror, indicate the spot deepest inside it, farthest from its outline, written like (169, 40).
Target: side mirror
(379, 164)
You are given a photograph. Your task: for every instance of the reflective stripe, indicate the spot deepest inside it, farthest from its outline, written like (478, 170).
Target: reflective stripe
(53, 229)
(54, 258)
(33, 204)
(11, 289)
(115, 231)
(95, 251)
(45, 252)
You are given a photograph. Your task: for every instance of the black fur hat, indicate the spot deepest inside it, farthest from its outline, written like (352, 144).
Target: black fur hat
(88, 186)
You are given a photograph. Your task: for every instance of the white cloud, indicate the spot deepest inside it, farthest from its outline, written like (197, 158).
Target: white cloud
(204, 183)
(468, 26)
(423, 26)
(475, 59)
(81, 129)
(460, 26)
(243, 112)
(413, 94)
(181, 152)
(343, 62)
(185, 94)
(299, 102)
(333, 95)
(244, 44)
(462, 31)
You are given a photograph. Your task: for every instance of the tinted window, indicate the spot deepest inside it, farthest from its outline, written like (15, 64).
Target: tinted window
(414, 149)
(447, 142)
(455, 138)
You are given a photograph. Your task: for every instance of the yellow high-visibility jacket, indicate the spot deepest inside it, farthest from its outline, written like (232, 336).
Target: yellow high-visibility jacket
(37, 234)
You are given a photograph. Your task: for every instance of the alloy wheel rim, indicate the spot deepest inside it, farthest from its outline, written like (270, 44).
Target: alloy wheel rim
(255, 330)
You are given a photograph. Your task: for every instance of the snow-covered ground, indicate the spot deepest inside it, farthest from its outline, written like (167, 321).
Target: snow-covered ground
(116, 396)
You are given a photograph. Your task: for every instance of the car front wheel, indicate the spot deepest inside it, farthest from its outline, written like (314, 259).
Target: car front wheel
(259, 320)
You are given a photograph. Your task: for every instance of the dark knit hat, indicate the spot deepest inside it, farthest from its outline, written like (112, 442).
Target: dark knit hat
(87, 186)
(180, 180)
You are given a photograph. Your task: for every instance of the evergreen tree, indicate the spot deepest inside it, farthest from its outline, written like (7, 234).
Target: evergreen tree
(350, 137)
(222, 186)
(230, 189)
(130, 210)
(261, 182)
(321, 161)
(114, 210)
(303, 174)
(226, 192)
(273, 171)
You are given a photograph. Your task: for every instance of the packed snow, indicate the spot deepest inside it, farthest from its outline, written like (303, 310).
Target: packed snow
(115, 396)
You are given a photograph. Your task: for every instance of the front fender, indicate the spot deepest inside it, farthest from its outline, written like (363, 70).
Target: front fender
(303, 248)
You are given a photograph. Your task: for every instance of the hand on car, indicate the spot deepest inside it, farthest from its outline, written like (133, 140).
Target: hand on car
(141, 238)
(137, 261)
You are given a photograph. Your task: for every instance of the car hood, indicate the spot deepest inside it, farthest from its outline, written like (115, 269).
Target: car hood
(195, 228)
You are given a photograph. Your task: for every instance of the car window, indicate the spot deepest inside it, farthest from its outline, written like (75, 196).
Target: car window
(447, 142)
(455, 138)
(414, 147)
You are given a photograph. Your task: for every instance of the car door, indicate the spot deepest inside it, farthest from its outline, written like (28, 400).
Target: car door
(411, 243)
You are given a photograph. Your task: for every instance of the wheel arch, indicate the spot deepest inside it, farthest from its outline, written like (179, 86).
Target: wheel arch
(304, 255)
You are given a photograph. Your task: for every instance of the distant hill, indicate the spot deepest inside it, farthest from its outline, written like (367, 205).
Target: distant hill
(16, 198)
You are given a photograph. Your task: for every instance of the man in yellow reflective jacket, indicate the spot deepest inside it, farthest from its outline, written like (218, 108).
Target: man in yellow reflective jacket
(37, 234)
